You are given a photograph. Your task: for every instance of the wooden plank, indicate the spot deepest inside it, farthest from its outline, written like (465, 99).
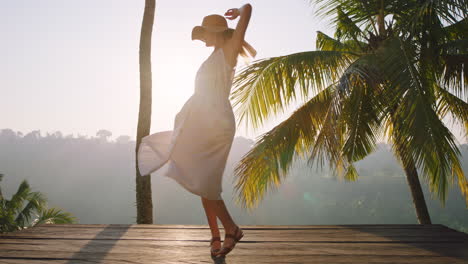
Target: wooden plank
(344, 235)
(70, 243)
(363, 228)
(187, 257)
(262, 227)
(259, 259)
(41, 230)
(139, 246)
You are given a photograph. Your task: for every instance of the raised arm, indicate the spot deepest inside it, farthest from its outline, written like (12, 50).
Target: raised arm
(235, 43)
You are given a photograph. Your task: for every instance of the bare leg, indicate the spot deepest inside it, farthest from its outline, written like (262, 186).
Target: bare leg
(212, 221)
(222, 213)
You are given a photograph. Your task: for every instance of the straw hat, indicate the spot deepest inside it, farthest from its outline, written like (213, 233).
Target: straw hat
(217, 23)
(212, 23)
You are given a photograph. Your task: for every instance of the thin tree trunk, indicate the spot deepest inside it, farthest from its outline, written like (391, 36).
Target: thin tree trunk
(381, 20)
(416, 191)
(143, 182)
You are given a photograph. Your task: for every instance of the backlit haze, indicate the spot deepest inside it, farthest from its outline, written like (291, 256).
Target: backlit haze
(72, 66)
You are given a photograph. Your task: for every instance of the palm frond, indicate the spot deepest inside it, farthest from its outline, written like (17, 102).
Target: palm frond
(17, 200)
(429, 13)
(267, 86)
(421, 133)
(346, 28)
(325, 42)
(454, 61)
(330, 138)
(54, 216)
(449, 103)
(458, 30)
(429, 143)
(360, 114)
(37, 203)
(268, 161)
(351, 173)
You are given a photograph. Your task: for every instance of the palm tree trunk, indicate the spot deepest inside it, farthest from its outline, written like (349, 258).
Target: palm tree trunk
(410, 169)
(381, 20)
(143, 182)
(416, 191)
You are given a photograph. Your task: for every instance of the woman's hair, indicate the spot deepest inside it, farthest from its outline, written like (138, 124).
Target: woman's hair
(246, 50)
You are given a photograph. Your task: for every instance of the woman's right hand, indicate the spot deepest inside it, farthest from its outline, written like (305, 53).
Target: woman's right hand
(232, 13)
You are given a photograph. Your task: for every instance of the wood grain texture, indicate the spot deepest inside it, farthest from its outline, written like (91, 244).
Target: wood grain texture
(82, 243)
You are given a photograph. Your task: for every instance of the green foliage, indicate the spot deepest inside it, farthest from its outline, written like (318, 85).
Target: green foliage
(255, 99)
(15, 216)
(392, 72)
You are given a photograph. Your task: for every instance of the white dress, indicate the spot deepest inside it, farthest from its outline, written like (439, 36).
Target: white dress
(198, 146)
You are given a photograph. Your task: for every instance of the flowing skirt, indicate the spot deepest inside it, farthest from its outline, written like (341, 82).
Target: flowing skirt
(196, 149)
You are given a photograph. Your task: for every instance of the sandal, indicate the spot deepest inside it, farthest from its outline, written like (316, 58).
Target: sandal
(214, 252)
(225, 250)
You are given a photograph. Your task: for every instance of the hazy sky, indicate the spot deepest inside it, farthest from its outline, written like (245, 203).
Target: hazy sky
(72, 66)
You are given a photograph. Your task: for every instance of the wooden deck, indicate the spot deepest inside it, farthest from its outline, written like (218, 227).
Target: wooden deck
(115, 244)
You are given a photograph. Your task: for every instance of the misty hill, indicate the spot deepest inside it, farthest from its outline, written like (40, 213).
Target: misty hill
(94, 179)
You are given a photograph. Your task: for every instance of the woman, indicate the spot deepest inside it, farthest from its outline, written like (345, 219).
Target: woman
(198, 146)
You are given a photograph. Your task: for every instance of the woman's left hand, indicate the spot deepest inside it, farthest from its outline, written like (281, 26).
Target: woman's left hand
(232, 13)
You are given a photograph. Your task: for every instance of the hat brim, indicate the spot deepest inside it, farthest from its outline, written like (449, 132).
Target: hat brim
(199, 31)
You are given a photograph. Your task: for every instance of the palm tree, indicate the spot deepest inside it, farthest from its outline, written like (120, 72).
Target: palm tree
(143, 182)
(392, 72)
(15, 216)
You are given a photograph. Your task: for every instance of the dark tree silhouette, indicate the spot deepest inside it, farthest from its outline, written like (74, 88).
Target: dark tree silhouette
(143, 182)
